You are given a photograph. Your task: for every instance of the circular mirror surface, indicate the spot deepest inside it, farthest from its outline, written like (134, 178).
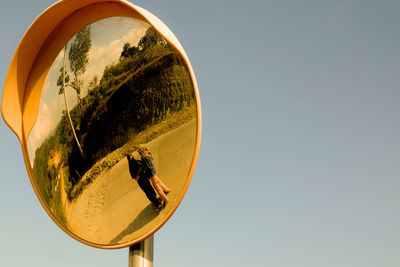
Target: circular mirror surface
(114, 141)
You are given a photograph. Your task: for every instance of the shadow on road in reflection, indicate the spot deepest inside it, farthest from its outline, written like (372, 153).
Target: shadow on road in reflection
(143, 218)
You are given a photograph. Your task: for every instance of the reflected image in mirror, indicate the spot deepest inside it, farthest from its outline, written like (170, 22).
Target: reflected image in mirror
(115, 136)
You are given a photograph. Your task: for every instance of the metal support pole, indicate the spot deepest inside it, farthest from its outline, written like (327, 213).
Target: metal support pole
(141, 254)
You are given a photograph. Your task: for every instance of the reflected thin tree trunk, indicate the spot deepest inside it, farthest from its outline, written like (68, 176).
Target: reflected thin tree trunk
(66, 105)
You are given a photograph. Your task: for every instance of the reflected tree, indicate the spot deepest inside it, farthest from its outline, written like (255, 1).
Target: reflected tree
(78, 59)
(128, 51)
(150, 39)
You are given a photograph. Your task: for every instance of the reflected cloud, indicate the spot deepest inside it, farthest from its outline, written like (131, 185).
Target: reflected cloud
(102, 56)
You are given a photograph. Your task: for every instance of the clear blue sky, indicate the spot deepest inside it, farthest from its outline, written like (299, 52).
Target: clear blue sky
(299, 162)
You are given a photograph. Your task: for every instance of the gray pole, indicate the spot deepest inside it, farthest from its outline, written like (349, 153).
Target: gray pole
(141, 254)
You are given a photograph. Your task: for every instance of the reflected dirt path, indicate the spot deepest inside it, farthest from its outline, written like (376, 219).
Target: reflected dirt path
(114, 210)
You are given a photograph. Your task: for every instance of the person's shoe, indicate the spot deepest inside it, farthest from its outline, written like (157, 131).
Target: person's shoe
(161, 206)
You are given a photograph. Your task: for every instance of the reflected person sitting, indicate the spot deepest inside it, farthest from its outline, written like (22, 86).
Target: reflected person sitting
(150, 173)
(136, 169)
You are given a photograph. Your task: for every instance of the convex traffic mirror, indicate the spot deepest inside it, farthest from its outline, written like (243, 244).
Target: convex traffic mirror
(105, 104)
